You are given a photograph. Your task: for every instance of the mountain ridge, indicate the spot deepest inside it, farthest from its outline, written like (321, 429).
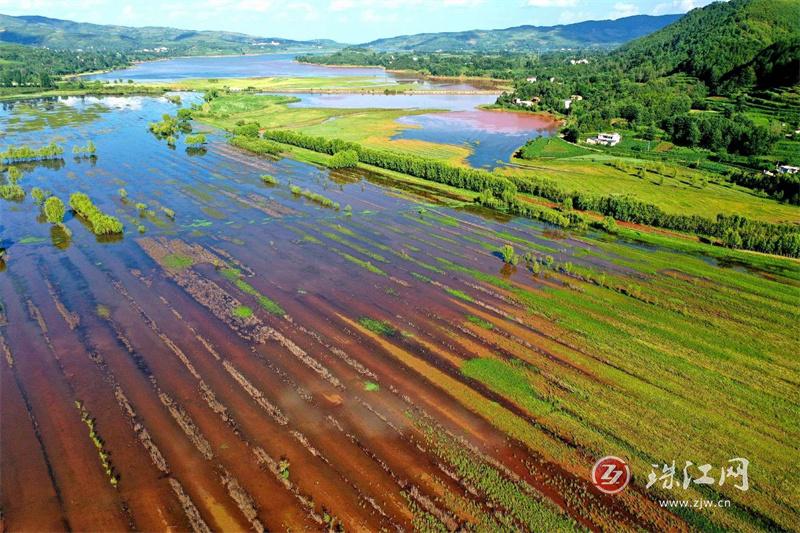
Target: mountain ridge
(528, 38)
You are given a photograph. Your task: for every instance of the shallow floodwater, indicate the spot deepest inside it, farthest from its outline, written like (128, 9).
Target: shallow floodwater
(120, 332)
(492, 136)
(263, 362)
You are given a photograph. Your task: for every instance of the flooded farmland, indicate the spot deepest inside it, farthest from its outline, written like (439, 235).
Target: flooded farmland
(259, 361)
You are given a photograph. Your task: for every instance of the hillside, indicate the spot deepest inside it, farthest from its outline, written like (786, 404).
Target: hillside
(69, 35)
(602, 33)
(711, 42)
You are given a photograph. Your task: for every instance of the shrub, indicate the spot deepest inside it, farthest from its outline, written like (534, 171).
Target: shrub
(39, 195)
(123, 193)
(101, 223)
(509, 256)
(269, 180)
(344, 159)
(54, 210)
(12, 191)
(196, 140)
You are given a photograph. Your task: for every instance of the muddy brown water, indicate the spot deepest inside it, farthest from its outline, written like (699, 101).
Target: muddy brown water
(215, 420)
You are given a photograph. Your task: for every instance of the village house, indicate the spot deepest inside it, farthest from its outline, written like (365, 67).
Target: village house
(527, 103)
(788, 169)
(582, 61)
(607, 139)
(531, 79)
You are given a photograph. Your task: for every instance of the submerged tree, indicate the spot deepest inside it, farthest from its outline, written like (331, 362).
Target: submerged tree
(54, 210)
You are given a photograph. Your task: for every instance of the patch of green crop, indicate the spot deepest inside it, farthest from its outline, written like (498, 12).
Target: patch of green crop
(177, 261)
(377, 326)
(243, 311)
(478, 321)
(459, 294)
(370, 386)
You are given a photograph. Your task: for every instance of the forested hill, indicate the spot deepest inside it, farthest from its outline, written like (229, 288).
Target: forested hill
(68, 35)
(711, 43)
(603, 33)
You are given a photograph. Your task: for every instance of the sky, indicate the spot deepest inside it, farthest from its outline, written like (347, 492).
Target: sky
(348, 21)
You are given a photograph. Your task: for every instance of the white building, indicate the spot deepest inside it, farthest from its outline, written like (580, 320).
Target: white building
(788, 169)
(567, 104)
(531, 79)
(583, 61)
(527, 103)
(607, 139)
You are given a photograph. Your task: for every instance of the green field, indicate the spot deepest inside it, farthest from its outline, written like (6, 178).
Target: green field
(674, 188)
(372, 127)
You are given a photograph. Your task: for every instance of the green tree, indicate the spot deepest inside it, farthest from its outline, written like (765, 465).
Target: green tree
(54, 210)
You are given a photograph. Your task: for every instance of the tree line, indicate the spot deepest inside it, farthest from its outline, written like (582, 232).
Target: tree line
(500, 192)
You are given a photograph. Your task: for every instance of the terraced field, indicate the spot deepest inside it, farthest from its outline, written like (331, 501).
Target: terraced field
(260, 361)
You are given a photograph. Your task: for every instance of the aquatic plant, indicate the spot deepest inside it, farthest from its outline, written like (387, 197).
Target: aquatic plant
(141, 207)
(169, 212)
(269, 180)
(54, 210)
(122, 193)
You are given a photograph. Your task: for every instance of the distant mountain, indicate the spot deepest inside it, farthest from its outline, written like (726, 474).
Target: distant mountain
(601, 33)
(717, 42)
(69, 35)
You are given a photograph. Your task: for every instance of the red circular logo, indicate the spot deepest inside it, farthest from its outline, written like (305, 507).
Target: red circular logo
(611, 474)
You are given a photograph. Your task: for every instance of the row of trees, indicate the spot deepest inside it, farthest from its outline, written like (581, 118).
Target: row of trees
(501, 192)
(101, 223)
(781, 186)
(24, 153)
(715, 132)
(429, 169)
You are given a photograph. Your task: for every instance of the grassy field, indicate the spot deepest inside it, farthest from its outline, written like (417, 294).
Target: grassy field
(286, 84)
(551, 148)
(675, 188)
(372, 127)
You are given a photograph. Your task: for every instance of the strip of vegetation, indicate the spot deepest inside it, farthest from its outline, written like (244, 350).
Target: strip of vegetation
(255, 145)
(314, 197)
(377, 326)
(500, 193)
(17, 154)
(270, 306)
(101, 223)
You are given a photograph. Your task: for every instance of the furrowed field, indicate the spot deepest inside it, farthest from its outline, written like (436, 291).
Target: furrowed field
(275, 345)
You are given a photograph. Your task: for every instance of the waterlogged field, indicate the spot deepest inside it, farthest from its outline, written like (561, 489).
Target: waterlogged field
(359, 356)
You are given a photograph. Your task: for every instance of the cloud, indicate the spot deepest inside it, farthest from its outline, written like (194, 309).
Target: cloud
(341, 5)
(463, 2)
(678, 6)
(552, 3)
(621, 9)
